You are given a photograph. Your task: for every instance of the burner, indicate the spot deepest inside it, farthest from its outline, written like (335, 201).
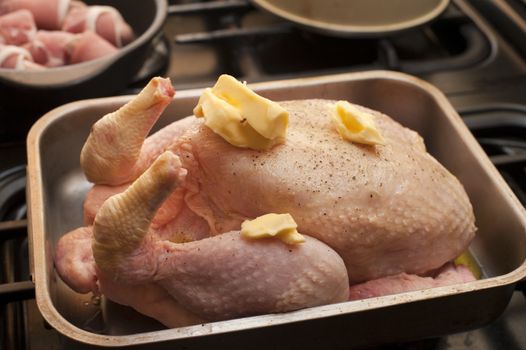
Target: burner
(510, 17)
(291, 52)
(450, 43)
(253, 46)
(12, 194)
(14, 257)
(501, 132)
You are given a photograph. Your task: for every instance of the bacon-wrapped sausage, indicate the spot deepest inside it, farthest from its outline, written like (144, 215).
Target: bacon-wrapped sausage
(103, 20)
(48, 14)
(15, 57)
(17, 28)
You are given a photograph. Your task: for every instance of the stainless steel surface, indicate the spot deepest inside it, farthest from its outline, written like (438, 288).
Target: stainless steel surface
(78, 72)
(500, 246)
(356, 17)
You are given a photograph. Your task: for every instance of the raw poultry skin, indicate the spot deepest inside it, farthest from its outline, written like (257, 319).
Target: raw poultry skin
(385, 210)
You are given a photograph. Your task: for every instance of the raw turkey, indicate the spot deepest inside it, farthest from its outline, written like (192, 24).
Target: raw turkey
(165, 213)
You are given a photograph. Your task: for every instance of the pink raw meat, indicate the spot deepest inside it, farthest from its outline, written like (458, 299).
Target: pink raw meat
(449, 274)
(49, 14)
(89, 46)
(49, 48)
(17, 28)
(103, 20)
(57, 48)
(16, 58)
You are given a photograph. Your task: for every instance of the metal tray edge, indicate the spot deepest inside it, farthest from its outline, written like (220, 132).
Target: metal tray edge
(37, 224)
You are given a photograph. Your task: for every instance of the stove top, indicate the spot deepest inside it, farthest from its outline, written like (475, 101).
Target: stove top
(460, 52)
(475, 52)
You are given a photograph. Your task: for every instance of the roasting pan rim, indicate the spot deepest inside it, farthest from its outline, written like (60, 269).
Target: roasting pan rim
(37, 229)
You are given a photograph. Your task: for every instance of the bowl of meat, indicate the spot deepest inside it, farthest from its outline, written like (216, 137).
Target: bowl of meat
(334, 211)
(57, 51)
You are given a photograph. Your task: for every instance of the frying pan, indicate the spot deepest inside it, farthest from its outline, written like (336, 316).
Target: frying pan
(355, 18)
(25, 95)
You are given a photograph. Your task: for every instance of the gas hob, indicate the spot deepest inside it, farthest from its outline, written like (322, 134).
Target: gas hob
(474, 52)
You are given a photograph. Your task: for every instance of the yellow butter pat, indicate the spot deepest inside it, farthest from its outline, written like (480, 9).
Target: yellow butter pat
(242, 117)
(470, 263)
(281, 226)
(355, 125)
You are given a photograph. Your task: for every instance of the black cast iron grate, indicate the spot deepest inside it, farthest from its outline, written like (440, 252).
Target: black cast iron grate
(15, 284)
(502, 134)
(254, 46)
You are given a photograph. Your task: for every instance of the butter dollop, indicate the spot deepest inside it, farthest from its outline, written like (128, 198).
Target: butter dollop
(470, 263)
(355, 125)
(242, 117)
(281, 226)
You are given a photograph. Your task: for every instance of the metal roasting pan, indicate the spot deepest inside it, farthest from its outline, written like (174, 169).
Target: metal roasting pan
(56, 189)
